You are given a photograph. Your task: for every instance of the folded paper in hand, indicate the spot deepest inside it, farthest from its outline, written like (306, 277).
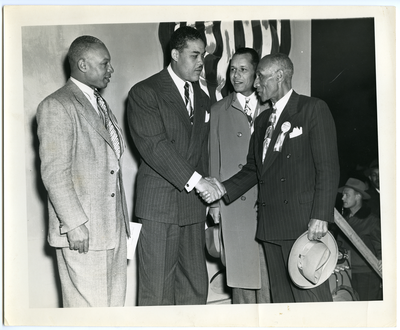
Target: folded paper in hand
(133, 240)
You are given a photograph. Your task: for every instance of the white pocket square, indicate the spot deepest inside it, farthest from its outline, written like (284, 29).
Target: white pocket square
(296, 132)
(207, 117)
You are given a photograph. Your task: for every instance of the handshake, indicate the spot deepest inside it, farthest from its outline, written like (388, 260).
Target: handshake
(210, 189)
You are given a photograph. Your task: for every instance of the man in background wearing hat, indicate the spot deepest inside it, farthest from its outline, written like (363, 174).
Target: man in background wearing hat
(293, 158)
(374, 191)
(367, 226)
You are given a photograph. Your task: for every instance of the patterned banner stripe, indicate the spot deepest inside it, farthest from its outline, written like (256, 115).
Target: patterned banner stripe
(223, 38)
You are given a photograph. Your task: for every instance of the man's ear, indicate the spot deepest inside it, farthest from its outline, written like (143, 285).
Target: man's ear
(175, 55)
(82, 65)
(279, 75)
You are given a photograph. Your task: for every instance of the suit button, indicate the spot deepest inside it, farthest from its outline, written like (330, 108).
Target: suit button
(172, 141)
(239, 134)
(263, 203)
(283, 179)
(112, 195)
(288, 155)
(285, 201)
(240, 166)
(261, 181)
(243, 198)
(112, 172)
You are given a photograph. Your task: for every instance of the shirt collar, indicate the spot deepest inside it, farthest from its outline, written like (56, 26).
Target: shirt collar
(87, 91)
(281, 104)
(242, 99)
(83, 87)
(180, 83)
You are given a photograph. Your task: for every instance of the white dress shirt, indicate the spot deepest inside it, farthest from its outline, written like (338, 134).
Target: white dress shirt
(180, 84)
(281, 104)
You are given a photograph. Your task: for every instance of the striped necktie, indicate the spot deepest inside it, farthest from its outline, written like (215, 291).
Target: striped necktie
(247, 111)
(269, 132)
(188, 103)
(110, 123)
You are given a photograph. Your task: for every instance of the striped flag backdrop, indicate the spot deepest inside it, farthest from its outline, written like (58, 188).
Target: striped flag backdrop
(223, 38)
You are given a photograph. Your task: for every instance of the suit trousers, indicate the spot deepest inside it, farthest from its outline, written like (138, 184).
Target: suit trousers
(172, 266)
(97, 278)
(283, 290)
(255, 296)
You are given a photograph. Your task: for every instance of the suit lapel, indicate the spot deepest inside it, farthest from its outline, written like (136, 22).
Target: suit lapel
(169, 92)
(286, 115)
(85, 108)
(260, 130)
(262, 107)
(235, 102)
(199, 117)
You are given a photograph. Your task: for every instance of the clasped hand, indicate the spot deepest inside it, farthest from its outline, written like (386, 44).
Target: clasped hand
(210, 189)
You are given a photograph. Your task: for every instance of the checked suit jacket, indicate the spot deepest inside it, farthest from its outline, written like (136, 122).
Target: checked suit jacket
(80, 170)
(299, 182)
(171, 149)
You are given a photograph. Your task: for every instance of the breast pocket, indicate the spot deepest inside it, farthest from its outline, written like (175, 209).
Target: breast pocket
(295, 146)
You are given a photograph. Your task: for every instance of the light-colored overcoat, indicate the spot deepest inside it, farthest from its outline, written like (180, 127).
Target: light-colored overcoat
(229, 143)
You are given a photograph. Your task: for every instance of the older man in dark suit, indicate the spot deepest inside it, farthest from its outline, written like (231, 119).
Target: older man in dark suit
(80, 150)
(293, 158)
(168, 116)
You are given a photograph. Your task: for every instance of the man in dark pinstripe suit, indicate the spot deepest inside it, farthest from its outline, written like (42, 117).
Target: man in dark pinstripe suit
(297, 178)
(170, 130)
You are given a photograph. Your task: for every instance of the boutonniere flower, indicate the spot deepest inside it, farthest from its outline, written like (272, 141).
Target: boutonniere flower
(284, 130)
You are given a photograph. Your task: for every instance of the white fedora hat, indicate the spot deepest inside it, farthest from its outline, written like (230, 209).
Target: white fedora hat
(214, 242)
(312, 262)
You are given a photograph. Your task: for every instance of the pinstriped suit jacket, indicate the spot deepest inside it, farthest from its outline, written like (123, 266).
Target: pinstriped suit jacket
(299, 182)
(171, 149)
(79, 170)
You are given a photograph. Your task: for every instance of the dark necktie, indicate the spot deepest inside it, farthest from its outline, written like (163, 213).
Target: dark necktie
(110, 124)
(269, 132)
(247, 111)
(188, 103)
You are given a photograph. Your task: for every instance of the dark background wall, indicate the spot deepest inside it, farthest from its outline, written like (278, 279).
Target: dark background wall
(343, 75)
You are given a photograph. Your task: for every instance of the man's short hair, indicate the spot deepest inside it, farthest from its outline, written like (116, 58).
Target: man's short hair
(79, 47)
(182, 35)
(373, 166)
(284, 62)
(252, 52)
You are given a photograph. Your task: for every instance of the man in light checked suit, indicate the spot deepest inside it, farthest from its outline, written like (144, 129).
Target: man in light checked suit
(81, 170)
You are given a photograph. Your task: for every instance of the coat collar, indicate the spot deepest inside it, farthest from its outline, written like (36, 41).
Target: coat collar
(86, 111)
(363, 212)
(170, 93)
(232, 101)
